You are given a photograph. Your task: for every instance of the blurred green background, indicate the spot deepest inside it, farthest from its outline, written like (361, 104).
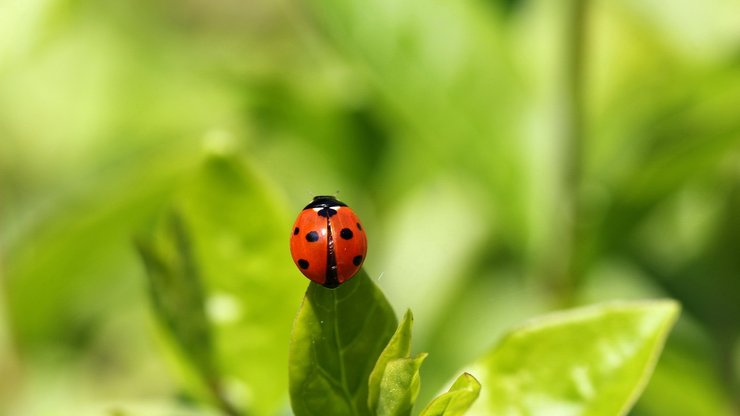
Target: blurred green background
(508, 158)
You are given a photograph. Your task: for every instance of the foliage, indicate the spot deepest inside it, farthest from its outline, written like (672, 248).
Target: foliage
(508, 159)
(455, 402)
(337, 336)
(589, 361)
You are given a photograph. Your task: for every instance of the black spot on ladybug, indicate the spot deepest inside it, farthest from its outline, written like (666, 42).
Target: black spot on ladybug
(303, 264)
(357, 260)
(326, 212)
(359, 227)
(346, 233)
(312, 237)
(296, 231)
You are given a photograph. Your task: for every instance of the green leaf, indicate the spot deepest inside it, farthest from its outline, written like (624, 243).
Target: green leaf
(398, 347)
(589, 361)
(457, 400)
(239, 231)
(46, 310)
(399, 386)
(337, 338)
(177, 294)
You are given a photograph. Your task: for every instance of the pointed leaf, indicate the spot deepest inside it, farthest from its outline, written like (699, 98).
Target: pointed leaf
(236, 232)
(457, 400)
(177, 293)
(398, 347)
(239, 236)
(399, 386)
(589, 361)
(336, 340)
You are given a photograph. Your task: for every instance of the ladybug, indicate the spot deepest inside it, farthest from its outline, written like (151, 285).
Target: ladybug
(328, 243)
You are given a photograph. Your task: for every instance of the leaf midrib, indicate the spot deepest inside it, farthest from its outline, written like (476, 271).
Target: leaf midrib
(342, 371)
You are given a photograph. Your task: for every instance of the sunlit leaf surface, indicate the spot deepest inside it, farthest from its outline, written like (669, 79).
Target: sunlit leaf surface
(457, 400)
(400, 386)
(398, 347)
(589, 361)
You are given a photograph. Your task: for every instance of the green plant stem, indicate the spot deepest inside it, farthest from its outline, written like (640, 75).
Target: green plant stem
(569, 274)
(727, 341)
(223, 403)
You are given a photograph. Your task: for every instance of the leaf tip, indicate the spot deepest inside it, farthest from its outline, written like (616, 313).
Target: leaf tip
(409, 315)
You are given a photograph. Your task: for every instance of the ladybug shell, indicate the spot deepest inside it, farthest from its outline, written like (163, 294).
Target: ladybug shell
(328, 243)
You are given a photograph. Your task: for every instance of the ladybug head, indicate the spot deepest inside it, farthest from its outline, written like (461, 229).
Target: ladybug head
(325, 201)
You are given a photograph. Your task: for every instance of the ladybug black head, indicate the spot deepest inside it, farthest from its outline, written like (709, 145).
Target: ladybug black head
(325, 201)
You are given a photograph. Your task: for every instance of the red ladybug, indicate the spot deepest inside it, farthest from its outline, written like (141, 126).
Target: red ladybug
(328, 243)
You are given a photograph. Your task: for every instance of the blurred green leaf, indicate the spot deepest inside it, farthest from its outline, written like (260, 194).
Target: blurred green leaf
(239, 234)
(589, 361)
(56, 259)
(457, 400)
(399, 386)
(398, 347)
(337, 338)
(176, 292)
